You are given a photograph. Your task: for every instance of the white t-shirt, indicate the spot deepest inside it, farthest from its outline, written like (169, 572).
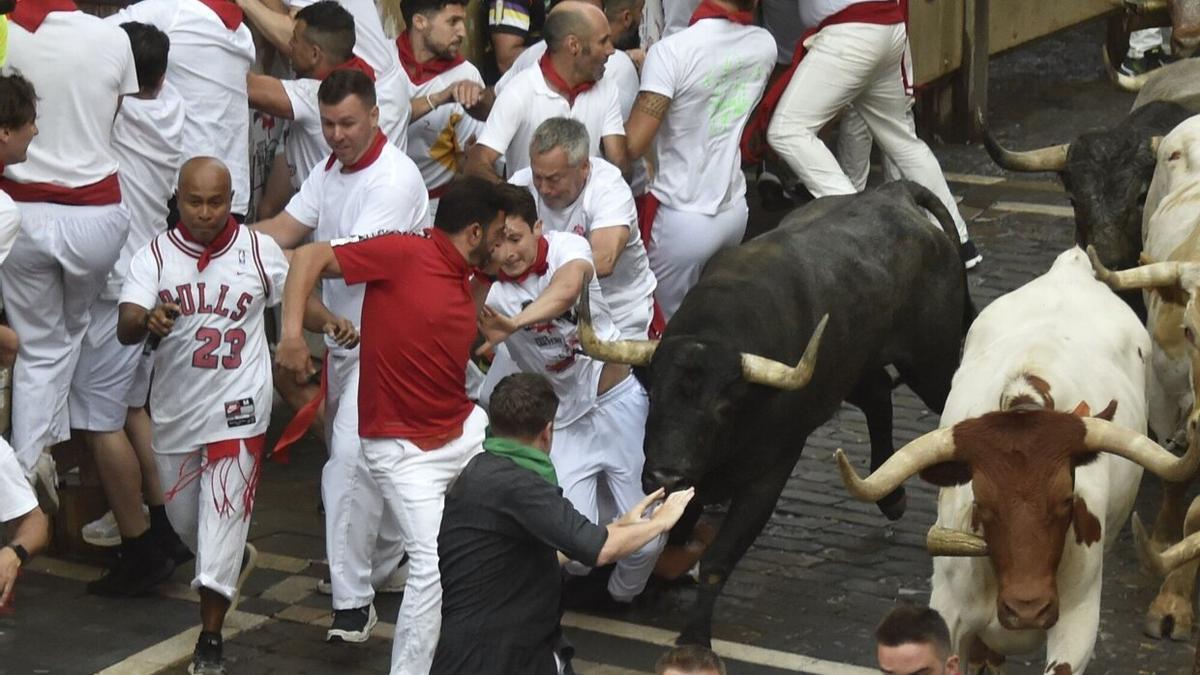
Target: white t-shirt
(212, 374)
(147, 137)
(304, 143)
(392, 87)
(436, 140)
(10, 224)
(208, 66)
(16, 495)
(714, 73)
(552, 349)
(606, 201)
(528, 101)
(386, 195)
(677, 14)
(80, 66)
(813, 12)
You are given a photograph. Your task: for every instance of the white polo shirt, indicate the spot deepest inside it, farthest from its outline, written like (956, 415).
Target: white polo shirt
(16, 495)
(436, 140)
(552, 349)
(304, 143)
(385, 195)
(714, 72)
(392, 87)
(80, 66)
(606, 201)
(208, 66)
(148, 139)
(528, 101)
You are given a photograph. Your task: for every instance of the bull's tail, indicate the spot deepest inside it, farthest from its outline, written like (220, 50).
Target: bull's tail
(930, 202)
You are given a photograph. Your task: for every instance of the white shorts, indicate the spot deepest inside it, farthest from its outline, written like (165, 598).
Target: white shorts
(105, 378)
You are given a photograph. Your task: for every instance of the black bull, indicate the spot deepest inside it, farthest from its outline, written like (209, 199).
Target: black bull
(895, 292)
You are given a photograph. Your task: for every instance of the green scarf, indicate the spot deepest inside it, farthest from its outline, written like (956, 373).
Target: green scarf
(523, 456)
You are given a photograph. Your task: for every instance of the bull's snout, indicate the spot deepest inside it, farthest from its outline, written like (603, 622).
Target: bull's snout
(652, 479)
(1035, 611)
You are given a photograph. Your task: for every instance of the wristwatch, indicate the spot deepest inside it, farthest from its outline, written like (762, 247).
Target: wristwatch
(22, 554)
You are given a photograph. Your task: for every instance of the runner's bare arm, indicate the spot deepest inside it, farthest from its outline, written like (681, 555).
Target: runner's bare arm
(648, 112)
(481, 162)
(272, 20)
(267, 94)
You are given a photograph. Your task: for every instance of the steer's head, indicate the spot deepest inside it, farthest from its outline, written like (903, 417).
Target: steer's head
(696, 388)
(1021, 464)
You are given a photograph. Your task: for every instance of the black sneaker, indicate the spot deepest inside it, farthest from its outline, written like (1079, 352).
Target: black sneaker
(137, 570)
(170, 543)
(1132, 71)
(770, 193)
(207, 659)
(352, 625)
(969, 254)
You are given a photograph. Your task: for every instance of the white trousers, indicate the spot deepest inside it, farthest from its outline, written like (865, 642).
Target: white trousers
(683, 241)
(1142, 41)
(862, 66)
(107, 374)
(362, 540)
(56, 271)
(209, 511)
(414, 484)
(606, 445)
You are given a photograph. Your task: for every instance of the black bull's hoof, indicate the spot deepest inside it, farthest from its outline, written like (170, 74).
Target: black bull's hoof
(893, 505)
(693, 637)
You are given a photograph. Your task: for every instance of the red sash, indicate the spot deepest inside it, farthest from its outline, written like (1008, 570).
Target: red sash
(754, 137)
(647, 209)
(101, 193)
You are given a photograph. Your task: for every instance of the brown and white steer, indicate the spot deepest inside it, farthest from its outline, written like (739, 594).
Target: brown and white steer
(1172, 235)
(1034, 488)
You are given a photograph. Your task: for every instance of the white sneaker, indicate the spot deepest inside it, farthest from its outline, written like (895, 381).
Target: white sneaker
(44, 480)
(104, 531)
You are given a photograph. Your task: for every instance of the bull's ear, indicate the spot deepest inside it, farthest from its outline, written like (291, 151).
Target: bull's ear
(947, 474)
(1083, 458)
(1082, 410)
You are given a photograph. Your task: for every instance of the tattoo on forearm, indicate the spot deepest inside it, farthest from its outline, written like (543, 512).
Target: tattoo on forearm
(654, 105)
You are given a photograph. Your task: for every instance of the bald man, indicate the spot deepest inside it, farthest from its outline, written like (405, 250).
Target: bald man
(568, 82)
(196, 296)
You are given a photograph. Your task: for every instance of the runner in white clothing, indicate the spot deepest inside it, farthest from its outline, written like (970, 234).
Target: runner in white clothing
(72, 221)
(111, 382)
(602, 408)
(447, 85)
(393, 90)
(201, 289)
(699, 87)
(569, 82)
(211, 53)
(365, 187)
(17, 130)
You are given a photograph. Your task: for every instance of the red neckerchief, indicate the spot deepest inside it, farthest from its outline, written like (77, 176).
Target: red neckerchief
(711, 10)
(219, 242)
(29, 14)
(418, 72)
(355, 63)
(539, 266)
(452, 255)
(368, 158)
(557, 82)
(228, 12)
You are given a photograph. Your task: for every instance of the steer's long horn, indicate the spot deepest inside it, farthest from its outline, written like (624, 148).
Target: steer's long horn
(934, 447)
(1113, 438)
(1153, 275)
(761, 370)
(1155, 142)
(632, 352)
(1052, 158)
(942, 541)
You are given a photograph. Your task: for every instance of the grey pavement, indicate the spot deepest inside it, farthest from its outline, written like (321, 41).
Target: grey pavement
(819, 577)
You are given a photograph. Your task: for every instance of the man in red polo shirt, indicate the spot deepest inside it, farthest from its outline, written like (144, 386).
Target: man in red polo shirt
(417, 424)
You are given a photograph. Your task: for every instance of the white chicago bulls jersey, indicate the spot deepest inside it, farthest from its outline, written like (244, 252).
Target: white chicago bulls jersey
(552, 349)
(212, 374)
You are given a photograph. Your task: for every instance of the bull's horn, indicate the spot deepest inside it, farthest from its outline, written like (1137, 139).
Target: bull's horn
(1149, 556)
(942, 541)
(1148, 6)
(632, 352)
(1153, 275)
(1053, 158)
(1113, 438)
(1132, 83)
(1155, 142)
(934, 447)
(761, 370)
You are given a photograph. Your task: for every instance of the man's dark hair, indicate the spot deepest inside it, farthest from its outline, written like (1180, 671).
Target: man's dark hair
(329, 26)
(615, 7)
(911, 623)
(18, 101)
(344, 82)
(469, 200)
(150, 46)
(690, 658)
(518, 202)
(562, 23)
(521, 406)
(411, 8)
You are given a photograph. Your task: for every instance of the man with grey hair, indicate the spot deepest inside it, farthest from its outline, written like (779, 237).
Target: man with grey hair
(588, 196)
(568, 82)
